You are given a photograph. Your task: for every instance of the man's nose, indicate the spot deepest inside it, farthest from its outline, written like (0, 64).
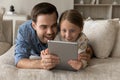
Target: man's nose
(49, 31)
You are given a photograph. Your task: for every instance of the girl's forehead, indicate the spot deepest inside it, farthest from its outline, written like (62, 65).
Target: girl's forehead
(67, 23)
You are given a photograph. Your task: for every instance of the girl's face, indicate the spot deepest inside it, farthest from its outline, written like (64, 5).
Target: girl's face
(69, 31)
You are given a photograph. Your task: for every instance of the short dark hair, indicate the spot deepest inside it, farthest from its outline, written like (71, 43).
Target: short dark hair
(72, 16)
(43, 8)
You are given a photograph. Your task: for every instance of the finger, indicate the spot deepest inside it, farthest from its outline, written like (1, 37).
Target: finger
(56, 61)
(42, 52)
(48, 65)
(46, 50)
(85, 58)
(50, 56)
(88, 50)
(79, 57)
(75, 64)
(84, 55)
(72, 61)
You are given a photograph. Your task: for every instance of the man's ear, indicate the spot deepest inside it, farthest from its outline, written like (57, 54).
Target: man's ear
(58, 27)
(33, 25)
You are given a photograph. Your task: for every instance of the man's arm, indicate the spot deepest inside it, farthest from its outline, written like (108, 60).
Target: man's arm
(46, 62)
(29, 63)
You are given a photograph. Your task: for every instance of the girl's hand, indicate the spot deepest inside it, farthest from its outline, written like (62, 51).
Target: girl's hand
(75, 64)
(86, 55)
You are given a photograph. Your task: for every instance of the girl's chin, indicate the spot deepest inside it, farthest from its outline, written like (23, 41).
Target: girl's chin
(68, 40)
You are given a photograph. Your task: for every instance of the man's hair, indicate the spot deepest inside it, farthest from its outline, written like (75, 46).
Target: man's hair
(43, 8)
(72, 16)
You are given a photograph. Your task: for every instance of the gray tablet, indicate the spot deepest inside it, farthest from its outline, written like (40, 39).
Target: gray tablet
(65, 50)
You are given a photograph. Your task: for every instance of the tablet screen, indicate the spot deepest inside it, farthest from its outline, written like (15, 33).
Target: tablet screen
(65, 51)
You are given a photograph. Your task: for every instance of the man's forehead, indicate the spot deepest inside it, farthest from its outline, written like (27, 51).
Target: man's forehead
(46, 19)
(47, 16)
(46, 24)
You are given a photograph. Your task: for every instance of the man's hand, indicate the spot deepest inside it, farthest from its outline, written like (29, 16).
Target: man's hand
(48, 61)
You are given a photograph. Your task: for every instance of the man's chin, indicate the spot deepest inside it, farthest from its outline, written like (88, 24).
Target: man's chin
(50, 39)
(45, 41)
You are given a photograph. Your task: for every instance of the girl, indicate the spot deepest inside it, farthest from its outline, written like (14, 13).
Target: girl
(71, 26)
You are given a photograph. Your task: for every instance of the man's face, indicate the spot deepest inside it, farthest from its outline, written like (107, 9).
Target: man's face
(46, 27)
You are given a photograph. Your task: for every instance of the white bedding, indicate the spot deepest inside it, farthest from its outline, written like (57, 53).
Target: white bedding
(98, 69)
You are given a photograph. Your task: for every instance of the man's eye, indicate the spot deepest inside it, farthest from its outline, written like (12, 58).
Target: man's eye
(54, 26)
(43, 27)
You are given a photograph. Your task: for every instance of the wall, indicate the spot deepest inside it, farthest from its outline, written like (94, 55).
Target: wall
(25, 6)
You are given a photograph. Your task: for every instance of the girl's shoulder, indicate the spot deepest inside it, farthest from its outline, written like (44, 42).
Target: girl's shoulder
(82, 37)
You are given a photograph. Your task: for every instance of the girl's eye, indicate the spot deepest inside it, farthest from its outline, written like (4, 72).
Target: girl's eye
(72, 30)
(63, 30)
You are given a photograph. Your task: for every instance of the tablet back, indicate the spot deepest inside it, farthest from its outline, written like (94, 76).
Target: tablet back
(65, 50)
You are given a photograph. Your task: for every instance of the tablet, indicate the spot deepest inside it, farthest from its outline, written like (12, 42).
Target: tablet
(65, 51)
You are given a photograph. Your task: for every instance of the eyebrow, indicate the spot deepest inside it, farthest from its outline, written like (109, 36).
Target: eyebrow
(54, 24)
(43, 25)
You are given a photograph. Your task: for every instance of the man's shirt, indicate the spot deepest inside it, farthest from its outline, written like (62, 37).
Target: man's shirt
(27, 42)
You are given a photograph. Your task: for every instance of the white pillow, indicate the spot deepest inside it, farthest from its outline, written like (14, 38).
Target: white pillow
(2, 38)
(4, 46)
(116, 49)
(101, 35)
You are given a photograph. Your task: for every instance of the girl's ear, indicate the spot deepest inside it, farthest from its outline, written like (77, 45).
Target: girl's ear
(33, 25)
(81, 29)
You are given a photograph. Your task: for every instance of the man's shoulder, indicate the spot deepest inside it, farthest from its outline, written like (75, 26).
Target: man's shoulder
(26, 29)
(26, 26)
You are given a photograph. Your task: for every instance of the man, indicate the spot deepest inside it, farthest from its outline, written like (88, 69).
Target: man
(33, 36)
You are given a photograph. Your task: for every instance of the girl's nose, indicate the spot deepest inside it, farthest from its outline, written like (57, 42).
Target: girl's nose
(67, 34)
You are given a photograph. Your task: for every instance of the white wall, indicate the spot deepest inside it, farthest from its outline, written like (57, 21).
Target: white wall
(25, 6)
